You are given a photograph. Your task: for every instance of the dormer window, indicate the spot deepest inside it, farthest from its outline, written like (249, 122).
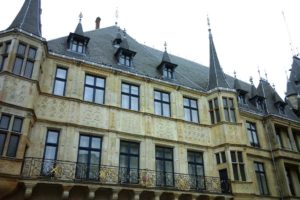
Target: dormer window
(77, 46)
(124, 56)
(260, 104)
(281, 109)
(125, 60)
(168, 72)
(242, 98)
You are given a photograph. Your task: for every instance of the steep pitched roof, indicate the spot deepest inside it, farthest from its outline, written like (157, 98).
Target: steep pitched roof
(29, 18)
(216, 75)
(290, 88)
(295, 71)
(79, 29)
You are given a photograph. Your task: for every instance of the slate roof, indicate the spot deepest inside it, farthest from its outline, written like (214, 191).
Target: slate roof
(101, 50)
(29, 18)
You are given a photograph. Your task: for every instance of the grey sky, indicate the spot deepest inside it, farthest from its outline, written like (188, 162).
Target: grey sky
(247, 33)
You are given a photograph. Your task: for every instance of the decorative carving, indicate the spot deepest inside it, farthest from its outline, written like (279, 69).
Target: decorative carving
(182, 182)
(108, 175)
(147, 178)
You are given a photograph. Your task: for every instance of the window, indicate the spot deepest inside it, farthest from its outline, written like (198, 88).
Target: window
(242, 98)
(60, 81)
(129, 162)
(296, 135)
(94, 89)
(130, 96)
(168, 72)
(162, 103)
(24, 61)
(260, 104)
(89, 157)
(190, 110)
(214, 110)
(125, 60)
(261, 178)
(196, 170)
(278, 137)
(164, 167)
(238, 166)
(290, 180)
(77, 46)
(281, 109)
(10, 133)
(229, 110)
(252, 134)
(3, 58)
(221, 157)
(50, 152)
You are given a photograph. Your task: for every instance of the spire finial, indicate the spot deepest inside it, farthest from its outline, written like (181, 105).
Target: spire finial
(124, 32)
(80, 17)
(266, 75)
(208, 24)
(251, 80)
(258, 70)
(234, 72)
(165, 45)
(117, 16)
(273, 85)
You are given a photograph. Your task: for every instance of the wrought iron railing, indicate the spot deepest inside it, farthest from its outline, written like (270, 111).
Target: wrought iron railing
(56, 170)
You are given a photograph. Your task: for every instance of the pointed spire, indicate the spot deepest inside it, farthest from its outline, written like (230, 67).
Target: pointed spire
(216, 75)
(166, 57)
(290, 88)
(29, 18)
(253, 90)
(295, 71)
(79, 29)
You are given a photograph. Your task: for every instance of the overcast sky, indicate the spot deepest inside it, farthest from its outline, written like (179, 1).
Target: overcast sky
(247, 33)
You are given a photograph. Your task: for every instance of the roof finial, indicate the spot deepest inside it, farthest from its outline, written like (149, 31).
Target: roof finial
(124, 32)
(234, 72)
(80, 17)
(165, 44)
(266, 75)
(258, 70)
(208, 24)
(117, 16)
(251, 80)
(273, 85)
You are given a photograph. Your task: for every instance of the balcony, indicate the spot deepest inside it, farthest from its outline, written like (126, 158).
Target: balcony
(65, 171)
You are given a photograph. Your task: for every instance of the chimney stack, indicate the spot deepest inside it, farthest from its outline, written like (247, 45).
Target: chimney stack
(98, 19)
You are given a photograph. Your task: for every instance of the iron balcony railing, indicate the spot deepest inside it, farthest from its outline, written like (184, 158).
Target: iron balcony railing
(56, 170)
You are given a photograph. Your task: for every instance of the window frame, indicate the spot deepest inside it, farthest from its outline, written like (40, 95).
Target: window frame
(238, 166)
(221, 157)
(60, 79)
(229, 108)
(191, 109)
(214, 110)
(195, 164)
(168, 72)
(261, 177)
(163, 159)
(252, 133)
(94, 88)
(130, 95)
(162, 102)
(4, 56)
(125, 60)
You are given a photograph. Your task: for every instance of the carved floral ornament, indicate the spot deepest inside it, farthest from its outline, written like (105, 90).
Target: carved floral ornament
(182, 182)
(147, 179)
(108, 175)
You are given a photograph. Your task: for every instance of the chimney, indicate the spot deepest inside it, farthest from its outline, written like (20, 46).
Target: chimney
(98, 19)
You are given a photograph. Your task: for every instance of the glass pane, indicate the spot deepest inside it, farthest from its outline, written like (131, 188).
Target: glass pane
(166, 110)
(50, 153)
(84, 141)
(223, 156)
(59, 87)
(74, 46)
(250, 137)
(216, 103)
(28, 69)
(18, 66)
(79, 49)
(21, 49)
(232, 114)
(191, 157)
(89, 80)
(4, 62)
(134, 90)
(17, 125)
(134, 162)
(199, 158)
(52, 137)
(125, 88)
(218, 115)
(31, 53)
(159, 152)
(83, 156)
(187, 115)
(225, 102)
(210, 105)
(192, 169)
(88, 94)
(242, 170)
(165, 97)
(169, 166)
(95, 157)
(226, 113)
(195, 115)
(123, 161)
(159, 165)
(134, 103)
(100, 82)
(168, 153)
(157, 95)
(12, 146)
(99, 96)
(7, 48)
(96, 143)
(125, 101)
(186, 102)
(233, 157)
(4, 122)
(248, 125)
(157, 108)
(264, 184)
(2, 141)
(61, 73)
(235, 171)
(231, 103)
(200, 170)
(134, 149)
(218, 158)
(240, 156)
(193, 103)
(124, 147)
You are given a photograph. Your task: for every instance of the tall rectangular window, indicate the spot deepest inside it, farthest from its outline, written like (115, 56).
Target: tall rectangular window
(168, 72)
(296, 135)
(252, 134)
(4, 129)
(129, 162)
(221, 157)
(261, 178)
(196, 170)
(290, 180)
(214, 110)
(94, 89)
(162, 103)
(238, 165)
(50, 152)
(89, 157)
(229, 110)
(24, 62)
(60, 81)
(164, 167)
(278, 136)
(130, 96)
(5, 49)
(190, 110)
